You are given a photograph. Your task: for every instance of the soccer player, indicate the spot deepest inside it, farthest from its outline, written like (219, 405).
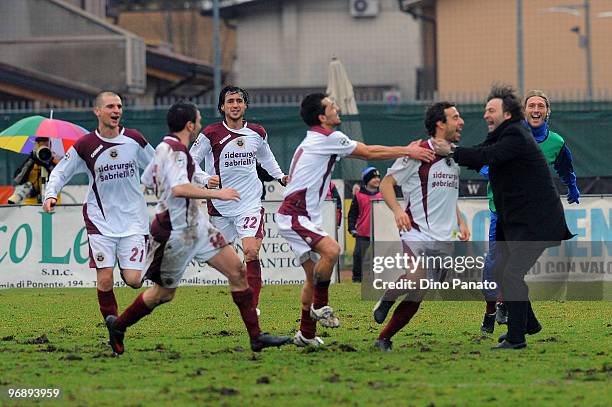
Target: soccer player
(299, 217)
(230, 150)
(115, 211)
(557, 154)
(431, 211)
(180, 233)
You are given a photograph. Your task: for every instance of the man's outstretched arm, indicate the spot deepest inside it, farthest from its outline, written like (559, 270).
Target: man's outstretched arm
(376, 152)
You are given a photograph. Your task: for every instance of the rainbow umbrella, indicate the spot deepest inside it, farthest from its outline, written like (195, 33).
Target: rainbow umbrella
(21, 135)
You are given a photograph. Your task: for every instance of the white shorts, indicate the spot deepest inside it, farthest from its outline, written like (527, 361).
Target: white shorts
(129, 251)
(302, 235)
(167, 261)
(247, 224)
(415, 243)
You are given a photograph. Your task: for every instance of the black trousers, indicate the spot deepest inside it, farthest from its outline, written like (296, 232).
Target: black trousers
(513, 262)
(362, 244)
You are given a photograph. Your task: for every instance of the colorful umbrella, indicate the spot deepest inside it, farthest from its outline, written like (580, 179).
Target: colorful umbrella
(21, 135)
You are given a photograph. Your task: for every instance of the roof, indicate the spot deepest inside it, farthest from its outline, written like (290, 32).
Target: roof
(227, 8)
(176, 63)
(26, 81)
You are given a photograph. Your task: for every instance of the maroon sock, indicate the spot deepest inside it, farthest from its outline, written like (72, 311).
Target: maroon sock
(394, 294)
(108, 303)
(401, 316)
(321, 297)
(490, 307)
(254, 278)
(244, 301)
(308, 326)
(132, 314)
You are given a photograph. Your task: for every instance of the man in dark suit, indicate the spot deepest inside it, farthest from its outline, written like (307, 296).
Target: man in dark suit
(530, 214)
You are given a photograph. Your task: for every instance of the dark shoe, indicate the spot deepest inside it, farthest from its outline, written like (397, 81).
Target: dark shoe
(501, 313)
(532, 331)
(381, 310)
(265, 340)
(510, 345)
(115, 336)
(488, 324)
(384, 345)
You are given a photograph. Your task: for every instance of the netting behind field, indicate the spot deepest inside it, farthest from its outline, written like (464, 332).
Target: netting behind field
(585, 127)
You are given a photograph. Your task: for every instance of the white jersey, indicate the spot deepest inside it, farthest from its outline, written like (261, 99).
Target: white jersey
(311, 168)
(430, 192)
(231, 154)
(171, 166)
(114, 205)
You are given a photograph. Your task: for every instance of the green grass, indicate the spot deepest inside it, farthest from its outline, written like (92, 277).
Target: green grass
(194, 351)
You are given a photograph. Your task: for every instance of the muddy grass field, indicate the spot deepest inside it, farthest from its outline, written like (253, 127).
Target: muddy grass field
(195, 351)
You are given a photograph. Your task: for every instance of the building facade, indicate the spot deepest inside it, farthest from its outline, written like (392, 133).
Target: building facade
(288, 44)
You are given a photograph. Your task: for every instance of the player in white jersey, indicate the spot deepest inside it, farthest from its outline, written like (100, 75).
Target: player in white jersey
(180, 233)
(114, 210)
(230, 150)
(299, 217)
(430, 190)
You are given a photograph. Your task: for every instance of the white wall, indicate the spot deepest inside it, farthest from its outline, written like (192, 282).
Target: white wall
(290, 44)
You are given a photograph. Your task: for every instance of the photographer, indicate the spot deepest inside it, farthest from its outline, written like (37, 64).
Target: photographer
(32, 175)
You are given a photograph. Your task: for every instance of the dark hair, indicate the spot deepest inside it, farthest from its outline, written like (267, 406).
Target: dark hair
(311, 108)
(180, 114)
(510, 100)
(231, 89)
(434, 114)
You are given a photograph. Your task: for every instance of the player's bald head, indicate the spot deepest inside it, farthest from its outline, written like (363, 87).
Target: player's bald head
(99, 101)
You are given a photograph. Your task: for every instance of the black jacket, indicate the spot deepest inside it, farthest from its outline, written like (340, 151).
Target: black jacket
(527, 202)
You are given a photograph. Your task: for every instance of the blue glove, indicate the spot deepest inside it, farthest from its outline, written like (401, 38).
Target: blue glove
(573, 194)
(484, 171)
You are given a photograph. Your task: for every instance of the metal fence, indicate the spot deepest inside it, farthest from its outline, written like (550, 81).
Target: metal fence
(374, 95)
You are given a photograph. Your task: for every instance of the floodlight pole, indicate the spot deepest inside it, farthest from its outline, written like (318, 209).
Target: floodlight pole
(217, 53)
(584, 40)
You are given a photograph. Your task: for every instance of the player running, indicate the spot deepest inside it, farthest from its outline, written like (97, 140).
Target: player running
(431, 212)
(180, 233)
(299, 217)
(115, 211)
(230, 150)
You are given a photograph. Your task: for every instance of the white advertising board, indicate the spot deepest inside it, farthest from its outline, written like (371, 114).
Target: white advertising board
(40, 249)
(591, 220)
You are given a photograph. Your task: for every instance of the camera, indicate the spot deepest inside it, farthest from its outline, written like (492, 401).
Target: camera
(43, 154)
(22, 192)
